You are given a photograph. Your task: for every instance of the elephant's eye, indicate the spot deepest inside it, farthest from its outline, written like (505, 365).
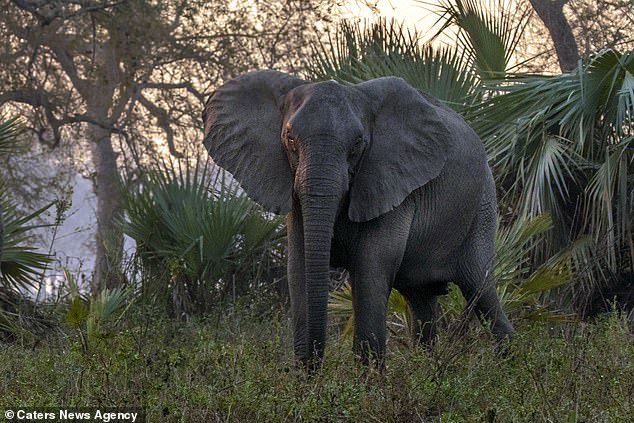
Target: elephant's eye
(291, 144)
(358, 146)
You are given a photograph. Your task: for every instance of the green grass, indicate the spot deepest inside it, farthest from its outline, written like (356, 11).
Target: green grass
(237, 366)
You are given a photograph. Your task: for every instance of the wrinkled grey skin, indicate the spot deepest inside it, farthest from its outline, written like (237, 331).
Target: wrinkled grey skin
(377, 178)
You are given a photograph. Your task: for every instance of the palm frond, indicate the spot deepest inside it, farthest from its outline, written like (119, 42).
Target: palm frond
(9, 130)
(20, 266)
(549, 134)
(341, 310)
(488, 32)
(522, 285)
(357, 53)
(194, 221)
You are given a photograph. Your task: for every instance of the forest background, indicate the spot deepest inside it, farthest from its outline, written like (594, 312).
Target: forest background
(107, 95)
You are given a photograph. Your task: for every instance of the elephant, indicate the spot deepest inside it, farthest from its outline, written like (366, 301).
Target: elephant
(378, 178)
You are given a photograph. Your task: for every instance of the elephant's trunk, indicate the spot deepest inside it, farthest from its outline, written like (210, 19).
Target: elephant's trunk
(319, 200)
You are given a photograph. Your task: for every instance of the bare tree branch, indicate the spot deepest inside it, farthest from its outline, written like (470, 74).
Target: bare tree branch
(174, 86)
(36, 98)
(163, 119)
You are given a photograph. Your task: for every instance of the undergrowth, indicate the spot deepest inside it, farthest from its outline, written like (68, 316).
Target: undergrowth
(237, 366)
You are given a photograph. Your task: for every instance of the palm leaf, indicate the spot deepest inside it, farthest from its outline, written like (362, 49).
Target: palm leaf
(487, 32)
(194, 221)
(20, 266)
(357, 53)
(9, 130)
(549, 134)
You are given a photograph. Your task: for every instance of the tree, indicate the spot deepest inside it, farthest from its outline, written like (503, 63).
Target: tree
(562, 144)
(20, 266)
(552, 14)
(121, 73)
(577, 29)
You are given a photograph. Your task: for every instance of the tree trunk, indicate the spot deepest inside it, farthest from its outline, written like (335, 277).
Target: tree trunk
(107, 272)
(552, 14)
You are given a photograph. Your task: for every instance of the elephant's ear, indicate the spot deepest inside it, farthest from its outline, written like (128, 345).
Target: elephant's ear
(407, 149)
(243, 120)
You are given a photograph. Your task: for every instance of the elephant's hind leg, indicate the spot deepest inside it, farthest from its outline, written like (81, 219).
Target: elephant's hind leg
(485, 302)
(425, 310)
(475, 273)
(475, 280)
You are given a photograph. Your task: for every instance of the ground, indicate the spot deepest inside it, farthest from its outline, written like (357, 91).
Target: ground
(237, 366)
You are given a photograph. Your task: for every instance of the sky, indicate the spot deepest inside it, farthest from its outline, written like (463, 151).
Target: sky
(416, 14)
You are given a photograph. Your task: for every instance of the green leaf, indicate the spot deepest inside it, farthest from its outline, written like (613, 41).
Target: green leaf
(77, 312)
(488, 32)
(357, 53)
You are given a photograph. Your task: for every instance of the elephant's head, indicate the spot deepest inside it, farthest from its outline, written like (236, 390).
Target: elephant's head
(292, 143)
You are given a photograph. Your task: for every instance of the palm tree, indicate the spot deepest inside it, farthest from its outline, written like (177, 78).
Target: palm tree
(21, 267)
(198, 235)
(563, 144)
(558, 144)
(486, 38)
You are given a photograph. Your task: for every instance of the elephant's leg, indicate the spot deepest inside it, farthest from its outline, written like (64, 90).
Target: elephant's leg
(425, 310)
(296, 283)
(370, 293)
(375, 263)
(475, 273)
(484, 300)
(475, 280)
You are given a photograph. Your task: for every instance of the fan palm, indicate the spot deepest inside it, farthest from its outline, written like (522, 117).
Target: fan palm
(356, 53)
(487, 32)
(487, 35)
(563, 144)
(190, 220)
(21, 267)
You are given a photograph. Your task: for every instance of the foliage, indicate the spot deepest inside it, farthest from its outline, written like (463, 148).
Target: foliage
(95, 318)
(522, 285)
(340, 311)
(9, 130)
(113, 77)
(20, 266)
(358, 53)
(486, 40)
(488, 32)
(198, 235)
(237, 366)
(562, 145)
(595, 24)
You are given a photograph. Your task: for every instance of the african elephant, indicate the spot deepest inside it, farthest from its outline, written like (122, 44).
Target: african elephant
(377, 178)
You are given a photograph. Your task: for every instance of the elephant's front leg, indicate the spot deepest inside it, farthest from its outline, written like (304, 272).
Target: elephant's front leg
(370, 293)
(376, 261)
(296, 283)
